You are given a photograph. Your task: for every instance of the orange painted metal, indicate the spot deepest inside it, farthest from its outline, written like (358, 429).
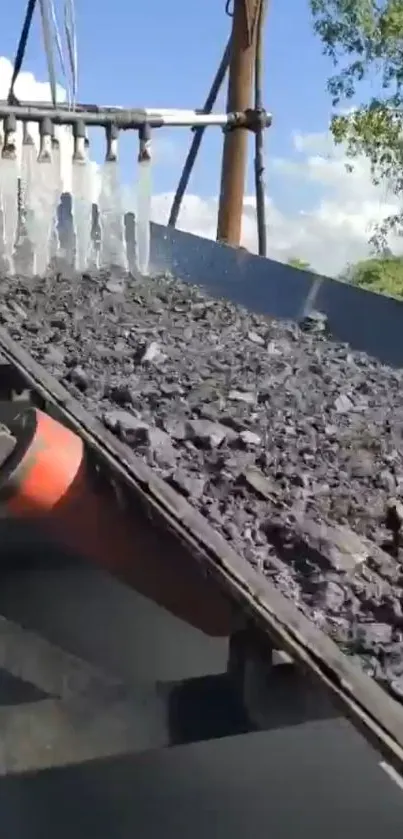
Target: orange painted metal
(52, 481)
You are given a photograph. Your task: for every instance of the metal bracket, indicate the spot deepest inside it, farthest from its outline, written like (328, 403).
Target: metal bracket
(273, 692)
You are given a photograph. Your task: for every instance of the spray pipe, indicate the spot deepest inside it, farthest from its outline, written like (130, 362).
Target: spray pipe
(9, 150)
(112, 136)
(144, 143)
(46, 133)
(80, 142)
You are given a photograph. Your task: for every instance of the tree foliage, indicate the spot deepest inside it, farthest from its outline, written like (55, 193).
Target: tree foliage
(364, 39)
(384, 275)
(296, 262)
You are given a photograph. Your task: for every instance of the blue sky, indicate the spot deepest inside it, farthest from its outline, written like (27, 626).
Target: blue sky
(156, 53)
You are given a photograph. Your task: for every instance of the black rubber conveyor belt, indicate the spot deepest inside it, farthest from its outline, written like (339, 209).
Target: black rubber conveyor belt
(291, 445)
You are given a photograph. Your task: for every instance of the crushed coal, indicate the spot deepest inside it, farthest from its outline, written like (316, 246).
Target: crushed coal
(289, 443)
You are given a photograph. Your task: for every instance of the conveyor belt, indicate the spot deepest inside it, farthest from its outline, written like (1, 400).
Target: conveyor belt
(165, 522)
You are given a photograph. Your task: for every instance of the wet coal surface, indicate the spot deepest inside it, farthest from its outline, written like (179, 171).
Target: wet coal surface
(291, 445)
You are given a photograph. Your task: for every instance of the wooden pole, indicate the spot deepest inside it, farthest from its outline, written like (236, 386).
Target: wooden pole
(240, 83)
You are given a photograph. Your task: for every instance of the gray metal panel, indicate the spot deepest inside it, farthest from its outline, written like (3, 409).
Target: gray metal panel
(367, 321)
(259, 284)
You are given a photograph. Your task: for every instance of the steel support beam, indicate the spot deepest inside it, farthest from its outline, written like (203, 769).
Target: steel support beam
(87, 715)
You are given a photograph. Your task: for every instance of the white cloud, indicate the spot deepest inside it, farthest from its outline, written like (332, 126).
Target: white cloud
(329, 225)
(332, 232)
(27, 87)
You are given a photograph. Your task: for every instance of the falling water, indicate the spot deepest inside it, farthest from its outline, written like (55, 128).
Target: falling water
(27, 233)
(3, 265)
(58, 188)
(9, 175)
(2, 231)
(143, 217)
(9, 189)
(40, 177)
(81, 192)
(112, 251)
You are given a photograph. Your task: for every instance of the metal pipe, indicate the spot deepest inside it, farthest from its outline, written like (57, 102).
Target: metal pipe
(48, 44)
(259, 135)
(235, 150)
(198, 136)
(22, 45)
(126, 119)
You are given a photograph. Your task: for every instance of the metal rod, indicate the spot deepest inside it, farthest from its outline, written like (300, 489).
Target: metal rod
(198, 136)
(126, 119)
(22, 45)
(48, 44)
(235, 144)
(259, 135)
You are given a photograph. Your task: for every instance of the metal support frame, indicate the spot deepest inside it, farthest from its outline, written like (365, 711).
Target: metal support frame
(273, 692)
(243, 52)
(81, 714)
(244, 57)
(197, 139)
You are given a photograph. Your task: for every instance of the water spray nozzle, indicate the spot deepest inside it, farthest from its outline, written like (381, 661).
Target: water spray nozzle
(144, 143)
(112, 136)
(9, 150)
(46, 134)
(80, 142)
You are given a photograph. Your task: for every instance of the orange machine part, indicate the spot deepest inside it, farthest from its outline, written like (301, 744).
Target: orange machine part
(51, 482)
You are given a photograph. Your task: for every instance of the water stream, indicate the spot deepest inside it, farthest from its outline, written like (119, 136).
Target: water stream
(9, 174)
(54, 244)
(40, 185)
(143, 216)
(27, 229)
(31, 185)
(81, 193)
(112, 246)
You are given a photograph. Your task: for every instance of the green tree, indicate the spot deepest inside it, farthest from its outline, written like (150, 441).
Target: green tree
(364, 39)
(384, 275)
(295, 262)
